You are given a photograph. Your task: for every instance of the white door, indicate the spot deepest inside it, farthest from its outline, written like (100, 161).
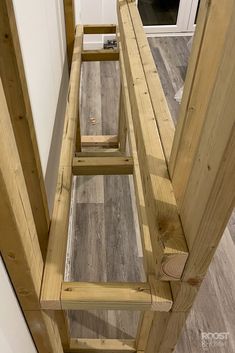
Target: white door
(168, 16)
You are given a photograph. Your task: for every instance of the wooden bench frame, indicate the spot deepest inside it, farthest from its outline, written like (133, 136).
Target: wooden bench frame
(198, 201)
(57, 295)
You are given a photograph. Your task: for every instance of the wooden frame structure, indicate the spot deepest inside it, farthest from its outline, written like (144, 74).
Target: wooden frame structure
(181, 215)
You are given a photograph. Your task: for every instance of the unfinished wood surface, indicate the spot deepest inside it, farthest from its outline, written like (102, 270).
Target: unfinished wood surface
(143, 331)
(99, 29)
(15, 86)
(109, 141)
(122, 126)
(104, 241)
(100, 55)
(211, 183)
(208, 199)
(154, 295)
(102, 165)
(54, 269)
(171, 56)
(118, 296)
(102, 344)
(196, 98)
(168, 241)
(45, 331)
(101, 152)
(213, 310)
(19, 244)
(157, 96)
(148, 261)
(69, 17)
(75, 85)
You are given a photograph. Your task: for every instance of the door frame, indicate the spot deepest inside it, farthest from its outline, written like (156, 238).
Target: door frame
(184, 24)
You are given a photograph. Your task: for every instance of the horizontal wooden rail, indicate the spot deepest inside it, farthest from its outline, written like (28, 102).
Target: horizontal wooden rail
(110, 141)
(56, 253)
(168, 241)
(153, 295)
(100, 55)
(101, 152)
(92, 344)
(148, 260)
(102, 165)
(159, 103)
(99, 29)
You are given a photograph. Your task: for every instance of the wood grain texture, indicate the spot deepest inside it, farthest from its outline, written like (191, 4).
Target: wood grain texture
(213, 309)
(99, 29)
(99, 141)
(157, 96)
(148, 260)
(171, 55)
(106, 345)
(168, 241)
(69, 17)
(19, 244)
(207, 200)
(198, 89)
(17, 97)
(116, 296)
(102, 165)
(100, 55)
(122, 126)
(54, 269)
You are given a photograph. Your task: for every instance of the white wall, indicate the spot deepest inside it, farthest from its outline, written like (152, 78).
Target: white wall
(42, 37)
(95, 12)
(41, 31)
(14, 333)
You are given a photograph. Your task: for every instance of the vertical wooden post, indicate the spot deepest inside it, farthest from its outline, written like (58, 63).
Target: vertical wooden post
(69, 17)
(208, 197)
(17, 97)
(213, 22)
(19, 242)
(122, 128)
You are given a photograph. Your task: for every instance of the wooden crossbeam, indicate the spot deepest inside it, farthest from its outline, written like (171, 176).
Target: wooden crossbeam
(109, 141)
(102, 165)
(153, 295)
(102, 152)
(99, 29)
(92, 344)
(167, 236)
(100, 55)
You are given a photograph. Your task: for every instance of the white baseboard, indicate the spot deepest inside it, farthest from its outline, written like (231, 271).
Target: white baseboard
(170, 34)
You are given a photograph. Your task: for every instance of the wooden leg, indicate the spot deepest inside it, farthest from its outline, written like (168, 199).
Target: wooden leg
(122, 128)
(143, 331)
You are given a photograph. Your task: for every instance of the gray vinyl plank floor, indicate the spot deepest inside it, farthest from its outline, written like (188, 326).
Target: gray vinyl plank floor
(104, 241)
(103, 244)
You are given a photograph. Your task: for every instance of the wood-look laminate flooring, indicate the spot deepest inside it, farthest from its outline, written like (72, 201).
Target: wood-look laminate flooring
(104, 245)
(105, 242)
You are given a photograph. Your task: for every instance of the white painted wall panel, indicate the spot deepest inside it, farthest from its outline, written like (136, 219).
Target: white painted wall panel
(41, 31)
(90, 12)
(14, 334)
